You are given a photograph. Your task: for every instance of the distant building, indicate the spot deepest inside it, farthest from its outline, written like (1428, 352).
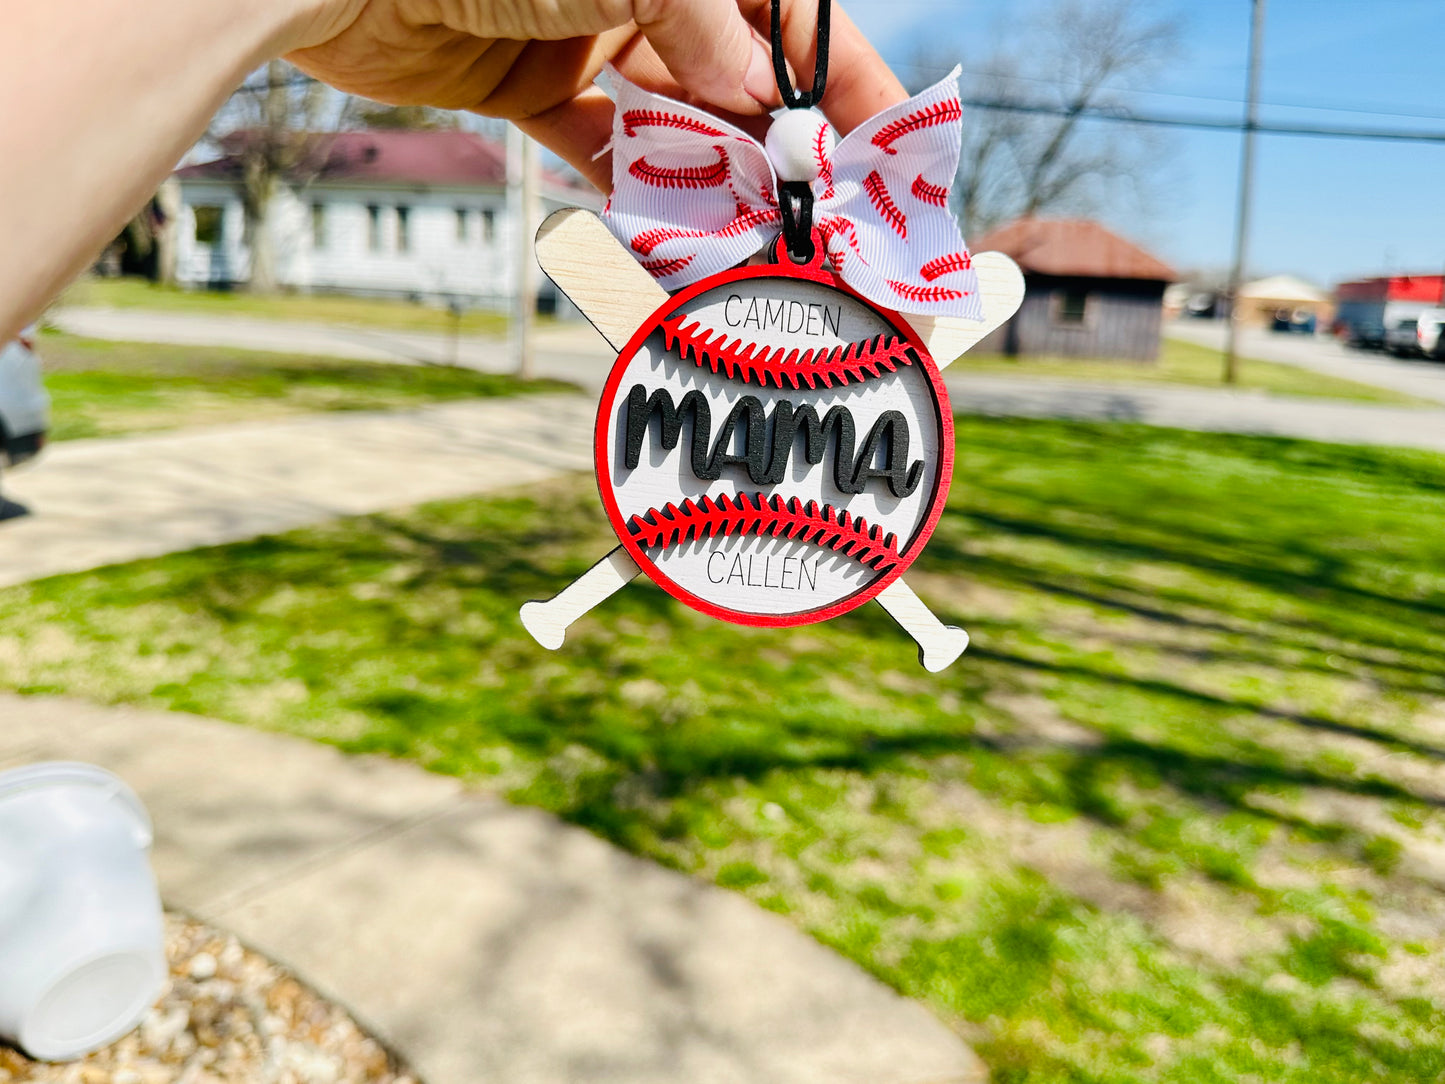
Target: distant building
(1283, 301)
(418, 214)
(1365, 308)
(1088, 292)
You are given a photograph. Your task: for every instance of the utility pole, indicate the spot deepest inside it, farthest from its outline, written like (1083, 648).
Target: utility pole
(522, 185)
(1246, 187)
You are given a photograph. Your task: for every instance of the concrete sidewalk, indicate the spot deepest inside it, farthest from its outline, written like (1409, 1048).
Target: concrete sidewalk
(486, 942)
(97, 502)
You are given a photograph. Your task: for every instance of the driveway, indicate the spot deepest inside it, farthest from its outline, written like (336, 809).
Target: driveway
(1322, 354)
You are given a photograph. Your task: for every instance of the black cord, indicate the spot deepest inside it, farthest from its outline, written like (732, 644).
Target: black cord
(805, 99)
(795, 198)
(795, 201)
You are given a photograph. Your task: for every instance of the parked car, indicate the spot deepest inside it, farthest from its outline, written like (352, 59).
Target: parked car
(1430, 333)
(24, 407)
(1301, 321)
(1400, 338)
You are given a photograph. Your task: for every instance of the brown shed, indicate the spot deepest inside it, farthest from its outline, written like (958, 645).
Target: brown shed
(1088, 292)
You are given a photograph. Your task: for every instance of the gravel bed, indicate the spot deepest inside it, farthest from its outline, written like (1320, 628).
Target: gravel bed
(228, 1016)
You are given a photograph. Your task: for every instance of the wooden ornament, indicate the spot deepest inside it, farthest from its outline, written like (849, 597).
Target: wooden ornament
(771, 448)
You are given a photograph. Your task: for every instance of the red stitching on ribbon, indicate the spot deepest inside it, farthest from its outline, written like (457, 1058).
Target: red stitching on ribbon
(938, 113)
(837, 226)
(883, 203)
(711, 176)
(946, 265)
(825, 164)
(721, 516)
(754, 363)
(634, 119)
(926, 294)
(935, 194)
(647, 242)
(660, 269)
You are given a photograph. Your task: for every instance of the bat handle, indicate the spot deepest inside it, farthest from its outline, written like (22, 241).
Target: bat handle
(938, 644)
(548, 621)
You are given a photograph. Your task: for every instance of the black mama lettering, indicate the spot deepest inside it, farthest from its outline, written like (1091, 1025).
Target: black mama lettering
(793, 317)
(769, 441)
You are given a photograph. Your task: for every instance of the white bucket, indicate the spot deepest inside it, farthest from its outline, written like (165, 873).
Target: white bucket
(82, 943)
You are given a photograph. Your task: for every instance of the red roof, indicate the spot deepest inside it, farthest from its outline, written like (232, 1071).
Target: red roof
(1072, 247)
(404, 159)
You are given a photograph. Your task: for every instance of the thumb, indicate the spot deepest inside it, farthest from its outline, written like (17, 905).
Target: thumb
(711, 51)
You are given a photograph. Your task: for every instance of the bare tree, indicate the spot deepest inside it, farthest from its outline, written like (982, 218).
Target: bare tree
(275, 127)
(1074, 57)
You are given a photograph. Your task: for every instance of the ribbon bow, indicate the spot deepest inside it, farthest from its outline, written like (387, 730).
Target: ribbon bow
(693, 196)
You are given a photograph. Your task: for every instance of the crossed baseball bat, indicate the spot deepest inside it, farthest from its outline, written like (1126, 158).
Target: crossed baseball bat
(613, 291)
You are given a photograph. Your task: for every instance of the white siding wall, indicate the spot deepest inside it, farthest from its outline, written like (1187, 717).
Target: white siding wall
(200, 264)
(435, 261)
(435, 264)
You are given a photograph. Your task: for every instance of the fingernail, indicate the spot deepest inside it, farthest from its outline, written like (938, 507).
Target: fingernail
(760, 82)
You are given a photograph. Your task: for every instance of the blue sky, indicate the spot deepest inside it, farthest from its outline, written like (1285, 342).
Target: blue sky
(1324, 209)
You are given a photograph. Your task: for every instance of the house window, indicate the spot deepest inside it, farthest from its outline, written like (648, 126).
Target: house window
(318, 225)
(489, 225)
(1071, 307)
(373, 227)
(403, 229)
(210, 225)
(462, 225)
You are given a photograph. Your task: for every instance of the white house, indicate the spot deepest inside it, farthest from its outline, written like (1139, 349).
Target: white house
(418, 214)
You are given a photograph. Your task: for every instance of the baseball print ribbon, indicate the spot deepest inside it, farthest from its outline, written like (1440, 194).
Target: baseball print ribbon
(693, 196)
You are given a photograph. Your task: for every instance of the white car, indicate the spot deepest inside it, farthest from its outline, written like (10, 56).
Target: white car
(24, 406)
(1430, 333)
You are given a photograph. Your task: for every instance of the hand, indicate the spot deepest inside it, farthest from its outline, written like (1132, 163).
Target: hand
(533, 61)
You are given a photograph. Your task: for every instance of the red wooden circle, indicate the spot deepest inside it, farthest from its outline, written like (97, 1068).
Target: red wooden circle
(785, 269)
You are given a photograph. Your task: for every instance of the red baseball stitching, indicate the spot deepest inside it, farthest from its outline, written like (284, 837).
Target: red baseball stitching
(825, 164)
(935, 194)
(740, 209)
(660, 269)
(714, 517)
(759, 364)
(647, 241)
(634, 119)
(831, 227)
(938, 113)
(926, 294)
(883, 203)
(711, 176)
(946, 265)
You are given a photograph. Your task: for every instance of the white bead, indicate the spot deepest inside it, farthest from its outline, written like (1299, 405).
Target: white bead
(793, 144)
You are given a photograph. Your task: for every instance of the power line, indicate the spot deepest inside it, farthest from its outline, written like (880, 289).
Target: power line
(1126, 116)
(1376, 109)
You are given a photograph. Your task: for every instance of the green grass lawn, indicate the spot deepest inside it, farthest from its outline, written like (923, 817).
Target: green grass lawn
(1188, 363)
(1177, 815)
(102, 389)
(130, 293)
